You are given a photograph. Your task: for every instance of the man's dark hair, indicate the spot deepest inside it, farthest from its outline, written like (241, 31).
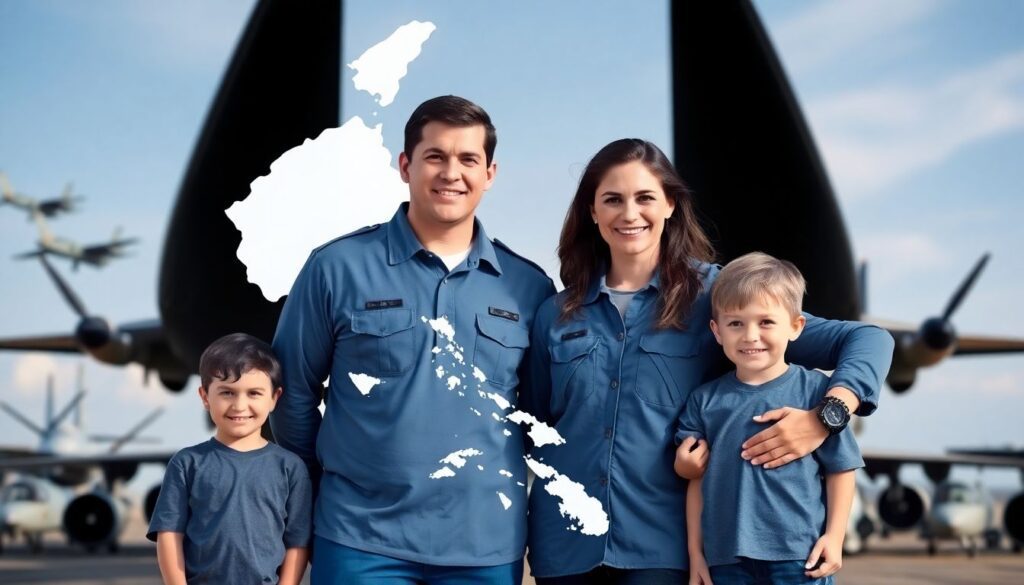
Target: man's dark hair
(231, 356)
(453, 111)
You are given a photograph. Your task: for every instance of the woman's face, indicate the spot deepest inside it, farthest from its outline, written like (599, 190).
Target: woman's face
(630, 209)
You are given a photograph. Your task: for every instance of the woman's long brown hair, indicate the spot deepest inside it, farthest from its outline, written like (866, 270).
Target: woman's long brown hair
(584, 253)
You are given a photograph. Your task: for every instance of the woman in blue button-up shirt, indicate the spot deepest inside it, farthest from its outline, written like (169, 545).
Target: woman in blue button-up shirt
(613, 358)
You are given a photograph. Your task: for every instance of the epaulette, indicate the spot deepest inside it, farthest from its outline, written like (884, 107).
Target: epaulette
(505, 247)
(362, 230)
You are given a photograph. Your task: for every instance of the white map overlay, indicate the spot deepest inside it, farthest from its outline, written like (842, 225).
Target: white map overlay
(344, 180)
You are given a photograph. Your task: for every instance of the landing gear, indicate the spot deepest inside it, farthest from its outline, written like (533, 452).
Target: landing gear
(970, 545)
(993, 539)
(35, 543)
(932, 548)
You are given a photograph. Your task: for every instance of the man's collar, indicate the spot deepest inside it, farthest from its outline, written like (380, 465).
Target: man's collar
(403, 243)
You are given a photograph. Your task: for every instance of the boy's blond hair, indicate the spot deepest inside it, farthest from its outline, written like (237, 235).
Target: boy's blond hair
(757, 277)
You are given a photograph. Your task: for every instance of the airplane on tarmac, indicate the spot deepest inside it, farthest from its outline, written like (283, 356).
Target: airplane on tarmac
(954, 510)
(43, 499)
(94, 254)
(66, 203)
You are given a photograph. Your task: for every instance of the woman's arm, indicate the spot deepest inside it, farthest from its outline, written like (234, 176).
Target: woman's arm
(170, 556)
(293, 566)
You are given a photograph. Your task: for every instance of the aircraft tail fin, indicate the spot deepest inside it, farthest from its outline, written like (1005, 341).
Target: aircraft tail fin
(116, 236)
(133, 433)
(81, 389)
(44, 229)
(72, 406)
(862, 286)
(48, 421)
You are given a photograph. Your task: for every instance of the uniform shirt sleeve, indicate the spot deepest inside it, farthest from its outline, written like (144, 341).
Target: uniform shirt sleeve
(304, 344)
(535, 390)
(171, 512)
(690, 422)
(859, 354)
(298, 526)
(839, 452)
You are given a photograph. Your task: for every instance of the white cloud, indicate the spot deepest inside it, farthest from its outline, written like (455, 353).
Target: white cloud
(894, 256)
(835, 28)
(31, 370)
(873, 137)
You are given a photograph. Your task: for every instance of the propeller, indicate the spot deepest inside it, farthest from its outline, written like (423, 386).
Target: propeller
(938, 332)
(92, 331)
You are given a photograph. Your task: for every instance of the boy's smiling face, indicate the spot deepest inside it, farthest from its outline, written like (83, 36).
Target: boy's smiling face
(755, 338)
(239, 408)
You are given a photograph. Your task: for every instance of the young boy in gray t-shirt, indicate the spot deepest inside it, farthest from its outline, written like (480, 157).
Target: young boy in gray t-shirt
(747, 524)
(236, 509)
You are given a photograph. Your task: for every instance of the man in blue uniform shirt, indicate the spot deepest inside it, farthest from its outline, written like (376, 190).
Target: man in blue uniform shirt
(421, 324)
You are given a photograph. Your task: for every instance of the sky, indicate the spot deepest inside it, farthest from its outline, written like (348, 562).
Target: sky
(917, 108)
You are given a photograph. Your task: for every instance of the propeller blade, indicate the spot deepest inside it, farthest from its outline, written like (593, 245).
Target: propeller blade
(67, 410)
(21, 418)
(130, 435)
(965, 287)
(65, 290)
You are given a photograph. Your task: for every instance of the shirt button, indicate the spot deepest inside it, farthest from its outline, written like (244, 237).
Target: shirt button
(604, 481)
(621, 336)
(608, 433)
(615, 384)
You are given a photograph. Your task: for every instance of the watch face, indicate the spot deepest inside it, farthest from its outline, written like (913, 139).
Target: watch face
(833, 415)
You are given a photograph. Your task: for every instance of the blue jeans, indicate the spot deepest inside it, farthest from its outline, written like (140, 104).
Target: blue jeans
(755, 572)
(604, 575)
(335, 564)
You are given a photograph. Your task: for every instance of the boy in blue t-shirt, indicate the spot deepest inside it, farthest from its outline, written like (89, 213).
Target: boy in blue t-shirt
(236, 509)
(747, 524)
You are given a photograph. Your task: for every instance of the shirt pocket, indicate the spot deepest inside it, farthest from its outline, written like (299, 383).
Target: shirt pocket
(383, 343)
(573, 369)
(500, 345)
(668, 365)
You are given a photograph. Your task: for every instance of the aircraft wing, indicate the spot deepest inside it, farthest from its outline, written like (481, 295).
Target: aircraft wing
(109, 248)
(46, 461)
(979, 345)
(877, 459)
(965, 344)
(56, 343)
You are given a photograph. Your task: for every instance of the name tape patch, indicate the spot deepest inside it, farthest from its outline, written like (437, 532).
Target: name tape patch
(385, 304)
(503, 313)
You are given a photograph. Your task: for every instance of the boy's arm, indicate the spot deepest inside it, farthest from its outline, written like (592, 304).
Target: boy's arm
(293, 566)
(829, 548)
(859, 353)
(170, 555)
(692, 448)
(699, 574)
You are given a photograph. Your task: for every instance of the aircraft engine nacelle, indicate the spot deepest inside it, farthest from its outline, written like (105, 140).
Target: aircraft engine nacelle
(95, 519)
(120, 471)
(149, 504)
(69, 475)
(173, 383)
(1013, 518)
(902, 507)
(900, 379)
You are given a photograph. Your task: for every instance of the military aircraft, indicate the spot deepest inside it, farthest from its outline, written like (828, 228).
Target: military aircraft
(955, 510)
(282, 86)
(66, 203)
(93, 254)
(42, 499)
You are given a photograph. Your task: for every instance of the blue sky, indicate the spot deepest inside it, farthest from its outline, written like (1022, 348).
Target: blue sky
(917, 107)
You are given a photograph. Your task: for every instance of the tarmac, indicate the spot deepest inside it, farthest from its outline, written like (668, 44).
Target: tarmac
(899, 560)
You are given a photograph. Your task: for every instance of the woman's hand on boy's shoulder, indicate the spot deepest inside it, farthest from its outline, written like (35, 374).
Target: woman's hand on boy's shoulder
(691, 458)
(826, 557)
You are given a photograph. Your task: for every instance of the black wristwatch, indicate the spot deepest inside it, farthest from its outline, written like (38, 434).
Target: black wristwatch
(833, 414)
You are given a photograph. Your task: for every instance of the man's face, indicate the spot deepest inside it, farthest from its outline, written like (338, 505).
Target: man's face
(239, 408)
(755, 338)
(447, 174)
